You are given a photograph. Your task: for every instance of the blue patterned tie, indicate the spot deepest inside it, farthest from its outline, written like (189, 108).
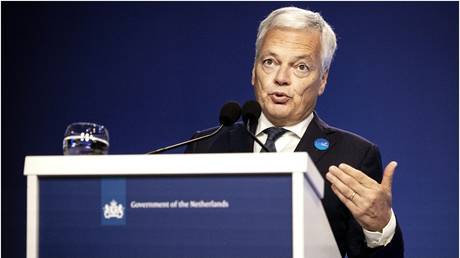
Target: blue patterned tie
(273, 134)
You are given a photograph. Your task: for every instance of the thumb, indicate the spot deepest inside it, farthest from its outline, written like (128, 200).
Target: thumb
(387, 179)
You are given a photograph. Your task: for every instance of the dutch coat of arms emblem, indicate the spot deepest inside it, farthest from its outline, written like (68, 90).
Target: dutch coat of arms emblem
(114, 210)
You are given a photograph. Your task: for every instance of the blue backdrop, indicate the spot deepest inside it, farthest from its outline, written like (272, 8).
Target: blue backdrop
(154, 72)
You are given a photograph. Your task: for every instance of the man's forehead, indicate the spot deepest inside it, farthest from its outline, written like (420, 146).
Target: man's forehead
(295, 42)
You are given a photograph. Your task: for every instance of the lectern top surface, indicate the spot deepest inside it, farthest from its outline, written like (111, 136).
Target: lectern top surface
(168, 164)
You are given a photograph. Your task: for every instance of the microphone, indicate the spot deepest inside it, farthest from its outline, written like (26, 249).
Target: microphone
(251, 113)
(229, 114)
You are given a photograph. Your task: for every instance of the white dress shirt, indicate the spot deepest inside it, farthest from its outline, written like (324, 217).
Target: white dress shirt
(289, 141)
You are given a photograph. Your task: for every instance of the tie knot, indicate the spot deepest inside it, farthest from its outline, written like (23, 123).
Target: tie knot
(273, 133)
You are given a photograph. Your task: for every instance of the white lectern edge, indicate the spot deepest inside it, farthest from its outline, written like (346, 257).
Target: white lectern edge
(279, 163)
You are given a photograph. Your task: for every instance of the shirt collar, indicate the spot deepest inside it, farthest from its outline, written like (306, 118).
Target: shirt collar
(298, 129)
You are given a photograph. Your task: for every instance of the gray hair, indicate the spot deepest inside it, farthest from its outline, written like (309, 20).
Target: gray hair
(296, 18)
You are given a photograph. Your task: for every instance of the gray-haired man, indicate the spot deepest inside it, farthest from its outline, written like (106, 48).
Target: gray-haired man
(294, 50)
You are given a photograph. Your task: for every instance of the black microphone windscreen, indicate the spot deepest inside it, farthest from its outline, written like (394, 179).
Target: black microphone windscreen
(251, 111)
(230, 113)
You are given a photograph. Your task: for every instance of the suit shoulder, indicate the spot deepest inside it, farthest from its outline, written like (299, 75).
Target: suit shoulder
(205, 145)
(353, 139)
(351, 136)
(341, 134)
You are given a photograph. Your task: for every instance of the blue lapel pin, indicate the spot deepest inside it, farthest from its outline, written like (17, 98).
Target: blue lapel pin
(321, 144)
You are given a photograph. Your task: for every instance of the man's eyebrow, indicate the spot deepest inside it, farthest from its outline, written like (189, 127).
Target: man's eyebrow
(269, 54)
(307, 57)
(295, 59)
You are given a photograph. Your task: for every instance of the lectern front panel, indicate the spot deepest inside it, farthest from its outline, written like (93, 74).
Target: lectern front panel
(166, 216)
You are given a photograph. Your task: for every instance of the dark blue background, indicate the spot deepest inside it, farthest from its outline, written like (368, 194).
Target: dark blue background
(155, 72)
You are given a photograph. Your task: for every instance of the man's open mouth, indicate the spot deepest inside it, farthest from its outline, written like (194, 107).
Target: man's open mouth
(279, 97)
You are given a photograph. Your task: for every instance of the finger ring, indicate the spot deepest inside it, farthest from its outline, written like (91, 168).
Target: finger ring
(352, 196)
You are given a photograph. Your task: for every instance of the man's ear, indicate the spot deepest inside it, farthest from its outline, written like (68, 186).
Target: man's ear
(323, 82)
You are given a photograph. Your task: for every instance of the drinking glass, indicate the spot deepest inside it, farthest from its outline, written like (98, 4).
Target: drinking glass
(84, 138)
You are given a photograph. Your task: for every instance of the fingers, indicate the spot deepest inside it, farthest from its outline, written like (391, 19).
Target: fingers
(387, 180)
(345, 183)
(358, 175)
(349, 203)
(340, 189)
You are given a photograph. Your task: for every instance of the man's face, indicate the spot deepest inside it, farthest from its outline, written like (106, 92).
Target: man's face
(287, 75)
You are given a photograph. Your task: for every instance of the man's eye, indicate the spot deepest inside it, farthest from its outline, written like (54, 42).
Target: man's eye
(303, 67)
(268, 62)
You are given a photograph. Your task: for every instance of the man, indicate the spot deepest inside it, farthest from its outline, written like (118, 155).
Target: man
(294, 50)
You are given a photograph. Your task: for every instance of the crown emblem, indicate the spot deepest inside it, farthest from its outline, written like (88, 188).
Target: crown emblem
(114, 210)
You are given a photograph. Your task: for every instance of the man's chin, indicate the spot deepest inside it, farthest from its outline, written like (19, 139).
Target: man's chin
(278, 110)
(277, 118)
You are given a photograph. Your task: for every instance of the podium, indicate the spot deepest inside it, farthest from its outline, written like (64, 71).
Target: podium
(176, 205)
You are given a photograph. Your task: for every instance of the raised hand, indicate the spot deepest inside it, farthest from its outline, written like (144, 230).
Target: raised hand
(368, 201)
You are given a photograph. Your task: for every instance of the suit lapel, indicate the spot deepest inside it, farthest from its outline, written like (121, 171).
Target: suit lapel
(316, 130)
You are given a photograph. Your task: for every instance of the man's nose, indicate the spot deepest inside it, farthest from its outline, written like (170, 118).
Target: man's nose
(282, 77)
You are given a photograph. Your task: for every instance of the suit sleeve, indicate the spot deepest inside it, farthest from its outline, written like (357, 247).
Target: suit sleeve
(371, 164)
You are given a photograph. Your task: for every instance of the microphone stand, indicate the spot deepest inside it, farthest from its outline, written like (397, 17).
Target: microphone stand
(186, 142)
(254, 137)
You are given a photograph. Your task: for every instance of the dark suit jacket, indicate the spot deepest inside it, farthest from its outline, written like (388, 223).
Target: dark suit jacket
(344, 147)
